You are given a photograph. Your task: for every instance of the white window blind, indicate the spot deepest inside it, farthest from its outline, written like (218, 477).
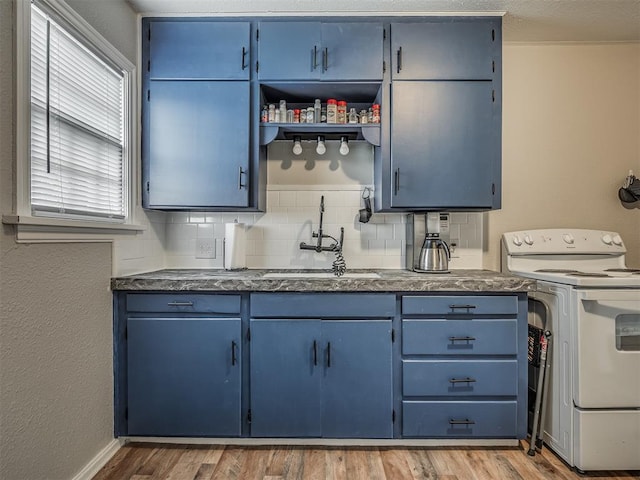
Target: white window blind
(78, 167)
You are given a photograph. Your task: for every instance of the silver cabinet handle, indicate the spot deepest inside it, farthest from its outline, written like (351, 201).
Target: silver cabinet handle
(461, 339)
(462, 380)
(468, 307)
(466, 421)
(180, 304)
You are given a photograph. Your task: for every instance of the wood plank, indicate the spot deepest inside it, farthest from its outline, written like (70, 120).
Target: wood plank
(228, 468)
(395, 464)
(314, 466)
(336, 464)
(127, 465)
(421, 464)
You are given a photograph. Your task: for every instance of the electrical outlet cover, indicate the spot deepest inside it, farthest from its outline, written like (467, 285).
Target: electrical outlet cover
(205, 248)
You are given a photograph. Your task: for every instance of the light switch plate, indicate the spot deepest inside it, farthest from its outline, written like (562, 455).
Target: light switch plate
(205, 248)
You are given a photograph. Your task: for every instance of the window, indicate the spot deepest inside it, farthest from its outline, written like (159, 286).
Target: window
(79, 124)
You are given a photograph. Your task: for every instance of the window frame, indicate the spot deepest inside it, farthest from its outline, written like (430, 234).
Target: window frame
(73, 227)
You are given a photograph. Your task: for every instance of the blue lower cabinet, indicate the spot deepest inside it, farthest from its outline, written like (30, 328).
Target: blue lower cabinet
(184, 376)
(286, 375)
(357, 396)
(321, 378)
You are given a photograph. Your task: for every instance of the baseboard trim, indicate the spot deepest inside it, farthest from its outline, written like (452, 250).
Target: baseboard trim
(99, 461)
(333, 442)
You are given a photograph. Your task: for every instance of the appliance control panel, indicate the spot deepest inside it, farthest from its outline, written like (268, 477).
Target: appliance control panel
(561, 241)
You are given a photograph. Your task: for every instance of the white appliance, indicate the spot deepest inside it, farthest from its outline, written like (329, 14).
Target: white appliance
(591, 303)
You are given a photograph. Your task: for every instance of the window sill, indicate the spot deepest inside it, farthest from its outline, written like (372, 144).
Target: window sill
(48, 230)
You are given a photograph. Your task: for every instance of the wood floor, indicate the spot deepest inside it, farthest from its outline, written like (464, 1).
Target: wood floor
(144, 461)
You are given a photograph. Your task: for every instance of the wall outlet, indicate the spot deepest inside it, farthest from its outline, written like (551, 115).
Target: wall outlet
(205, 248)
(454, 244)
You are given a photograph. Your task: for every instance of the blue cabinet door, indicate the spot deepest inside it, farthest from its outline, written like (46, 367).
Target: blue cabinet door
(320, 51)
(197, 149)
(445, 145)
(289, 51)
(286, 375)
(199, 50)
(357, 387)
(184, 376)
(352, 51)
(445, 50)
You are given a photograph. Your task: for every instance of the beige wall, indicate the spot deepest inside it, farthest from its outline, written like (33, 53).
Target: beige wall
(571, 132)
(56, 380)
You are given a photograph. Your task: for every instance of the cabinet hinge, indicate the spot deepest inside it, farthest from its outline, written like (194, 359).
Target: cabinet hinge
(393, 335)
(493, 189)
(147, 187)
(493, 34)
(257, 66)
(493, 66)
(493, 95)
(249, 416)
(148, 95)
(384, 66)
(249, 334)
(393, 416)
(257, 34)
(384, 33)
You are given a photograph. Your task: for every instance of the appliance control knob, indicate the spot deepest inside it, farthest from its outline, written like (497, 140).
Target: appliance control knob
(528, 239)
(617, 239)
(568, 238)
(517, 241)
(606, 238)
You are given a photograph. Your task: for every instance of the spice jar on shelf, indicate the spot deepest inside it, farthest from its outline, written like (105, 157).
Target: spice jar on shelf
(353, 116)
(332, 110)
(341, 115)
(364, 116)
(296, 115)
(375, 117)
(271, 116)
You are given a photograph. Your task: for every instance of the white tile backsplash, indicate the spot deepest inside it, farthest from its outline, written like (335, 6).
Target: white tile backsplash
(273, 237)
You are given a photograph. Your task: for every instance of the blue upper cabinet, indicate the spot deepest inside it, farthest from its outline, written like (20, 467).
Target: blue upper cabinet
(340, 51)
(199, 50)
(444, 145)
(197, 150)
(445, 50)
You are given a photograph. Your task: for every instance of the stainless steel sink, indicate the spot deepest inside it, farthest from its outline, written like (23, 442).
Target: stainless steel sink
(319, 275)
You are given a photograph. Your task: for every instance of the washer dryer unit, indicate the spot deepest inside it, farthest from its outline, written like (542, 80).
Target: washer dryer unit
(590, 301)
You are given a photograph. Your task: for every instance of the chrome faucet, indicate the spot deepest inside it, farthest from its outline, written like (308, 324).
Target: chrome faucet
(318, 247)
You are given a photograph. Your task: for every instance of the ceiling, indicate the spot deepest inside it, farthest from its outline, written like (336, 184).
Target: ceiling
(524, 20)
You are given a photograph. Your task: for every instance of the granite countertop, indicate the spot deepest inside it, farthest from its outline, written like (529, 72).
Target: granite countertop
(308, 281)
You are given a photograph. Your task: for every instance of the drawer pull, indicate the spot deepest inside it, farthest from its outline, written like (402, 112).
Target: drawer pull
(466, 421)
(458, 307)
(234, 345)
(180, 304)
(462, 380)
(461, 339)
(315, 353)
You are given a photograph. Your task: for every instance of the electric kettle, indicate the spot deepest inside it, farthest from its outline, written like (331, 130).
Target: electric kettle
(434, 255)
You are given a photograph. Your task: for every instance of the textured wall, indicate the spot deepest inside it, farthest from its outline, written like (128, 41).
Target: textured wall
(571, 119)
(56, 380)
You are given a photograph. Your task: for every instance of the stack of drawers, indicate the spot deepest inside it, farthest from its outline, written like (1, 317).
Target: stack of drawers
(461, 376)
